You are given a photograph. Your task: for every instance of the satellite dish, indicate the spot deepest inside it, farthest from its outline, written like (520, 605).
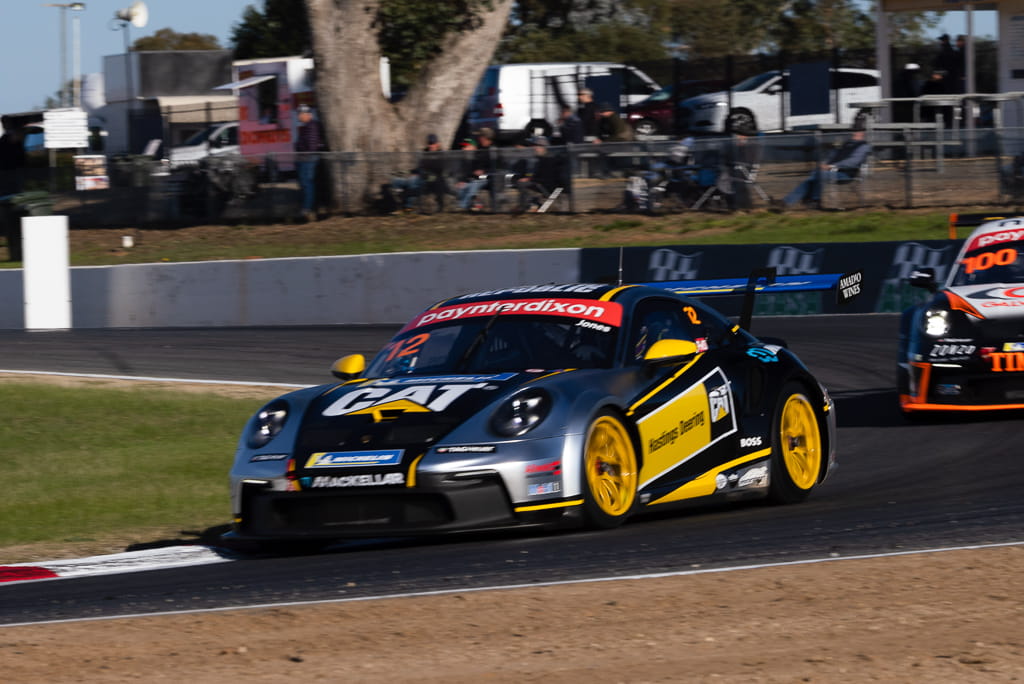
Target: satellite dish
(137, 15)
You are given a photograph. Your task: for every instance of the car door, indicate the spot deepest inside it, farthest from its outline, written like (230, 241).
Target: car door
(686, 417)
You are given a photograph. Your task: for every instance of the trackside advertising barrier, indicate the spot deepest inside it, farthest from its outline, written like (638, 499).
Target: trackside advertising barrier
(885, 265)
(389, 288)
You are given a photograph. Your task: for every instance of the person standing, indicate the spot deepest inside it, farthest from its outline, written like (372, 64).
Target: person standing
(12, 160)
(569, 129)
(308, 144)
(587, 111)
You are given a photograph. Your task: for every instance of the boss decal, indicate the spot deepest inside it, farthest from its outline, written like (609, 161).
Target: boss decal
(354, 459)
(747, 442)
(416, 398)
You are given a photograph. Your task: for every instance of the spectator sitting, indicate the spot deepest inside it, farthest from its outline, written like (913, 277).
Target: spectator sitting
(646, 190)
(539, 176)
(844, 162)
(428, 173)
(482, 169)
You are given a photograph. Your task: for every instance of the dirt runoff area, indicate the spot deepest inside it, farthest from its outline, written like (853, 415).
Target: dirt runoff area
(941, 617)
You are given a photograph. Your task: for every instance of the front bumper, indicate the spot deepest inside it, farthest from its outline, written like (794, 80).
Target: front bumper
(437, 504)
(971, 386)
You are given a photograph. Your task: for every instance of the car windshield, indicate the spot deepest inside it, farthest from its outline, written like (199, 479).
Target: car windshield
(754, 82)
(1002, 263)
(663, 95)
(497, 343)
(200, 137)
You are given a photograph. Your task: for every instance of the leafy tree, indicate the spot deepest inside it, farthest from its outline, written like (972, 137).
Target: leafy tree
(169, 39)
(455, 45)
(280, 30)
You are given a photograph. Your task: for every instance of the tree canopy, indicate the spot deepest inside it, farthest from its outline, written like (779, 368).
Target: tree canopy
(169, 39)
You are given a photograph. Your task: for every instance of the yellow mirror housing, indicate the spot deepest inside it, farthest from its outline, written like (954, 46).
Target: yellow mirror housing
(348, 367)
(669, 351)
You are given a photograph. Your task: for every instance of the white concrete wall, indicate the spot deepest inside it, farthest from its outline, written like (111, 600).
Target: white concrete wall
(375, 288)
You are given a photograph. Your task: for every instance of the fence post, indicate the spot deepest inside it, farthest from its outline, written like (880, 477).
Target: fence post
(908, 172)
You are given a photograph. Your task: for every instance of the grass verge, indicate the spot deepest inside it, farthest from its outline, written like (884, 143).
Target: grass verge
(83, 464)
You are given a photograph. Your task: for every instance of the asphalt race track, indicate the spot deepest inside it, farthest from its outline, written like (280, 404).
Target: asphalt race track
(900, 486)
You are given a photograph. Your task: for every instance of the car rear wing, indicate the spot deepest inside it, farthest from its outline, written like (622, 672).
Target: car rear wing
(765, 281)
(957, 220)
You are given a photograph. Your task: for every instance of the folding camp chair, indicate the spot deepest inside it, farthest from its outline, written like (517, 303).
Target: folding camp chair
(708, 179)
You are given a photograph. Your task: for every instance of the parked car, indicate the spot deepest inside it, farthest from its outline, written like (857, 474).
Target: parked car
(764, 103)
(655, 114)
(218, 139)
(523, 100)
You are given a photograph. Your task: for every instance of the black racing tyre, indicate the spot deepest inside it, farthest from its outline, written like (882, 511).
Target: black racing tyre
(798, 455)
(646, 127)
(537, 127)
(741, 121)
(610, 472)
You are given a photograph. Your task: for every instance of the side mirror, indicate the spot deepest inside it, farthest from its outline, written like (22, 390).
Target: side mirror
(774, 89)
(669, 351)
(348, 367)
(924, 278)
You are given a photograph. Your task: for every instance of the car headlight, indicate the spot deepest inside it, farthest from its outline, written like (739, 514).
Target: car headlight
(521, 413)
(710, 105)
(268, 423)
(936, 322)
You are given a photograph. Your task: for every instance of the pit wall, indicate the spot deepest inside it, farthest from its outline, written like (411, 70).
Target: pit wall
(391, 288)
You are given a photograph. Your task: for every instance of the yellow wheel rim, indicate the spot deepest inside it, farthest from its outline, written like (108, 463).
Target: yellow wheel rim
(800, 441)
(611, 466)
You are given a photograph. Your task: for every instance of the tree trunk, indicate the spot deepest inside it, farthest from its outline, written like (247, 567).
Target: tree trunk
(366, 133)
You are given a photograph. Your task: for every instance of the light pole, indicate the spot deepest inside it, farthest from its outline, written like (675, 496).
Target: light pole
(64, 7)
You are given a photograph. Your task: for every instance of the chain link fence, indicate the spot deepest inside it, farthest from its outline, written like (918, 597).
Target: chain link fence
(908, 167)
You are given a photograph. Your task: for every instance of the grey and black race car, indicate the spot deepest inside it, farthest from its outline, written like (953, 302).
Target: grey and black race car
(963, 348)
(536, 406)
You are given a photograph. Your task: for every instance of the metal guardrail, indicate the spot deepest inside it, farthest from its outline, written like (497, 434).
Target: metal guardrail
(909, 167)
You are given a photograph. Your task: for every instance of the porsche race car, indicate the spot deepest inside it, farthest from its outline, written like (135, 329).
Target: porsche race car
(963, 348)
(546, 405)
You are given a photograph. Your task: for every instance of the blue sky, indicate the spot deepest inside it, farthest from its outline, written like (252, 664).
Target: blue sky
(30, 38)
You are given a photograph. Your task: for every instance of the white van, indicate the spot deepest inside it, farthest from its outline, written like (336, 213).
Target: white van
(526, 99)
(764, 103)
(217, 139)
